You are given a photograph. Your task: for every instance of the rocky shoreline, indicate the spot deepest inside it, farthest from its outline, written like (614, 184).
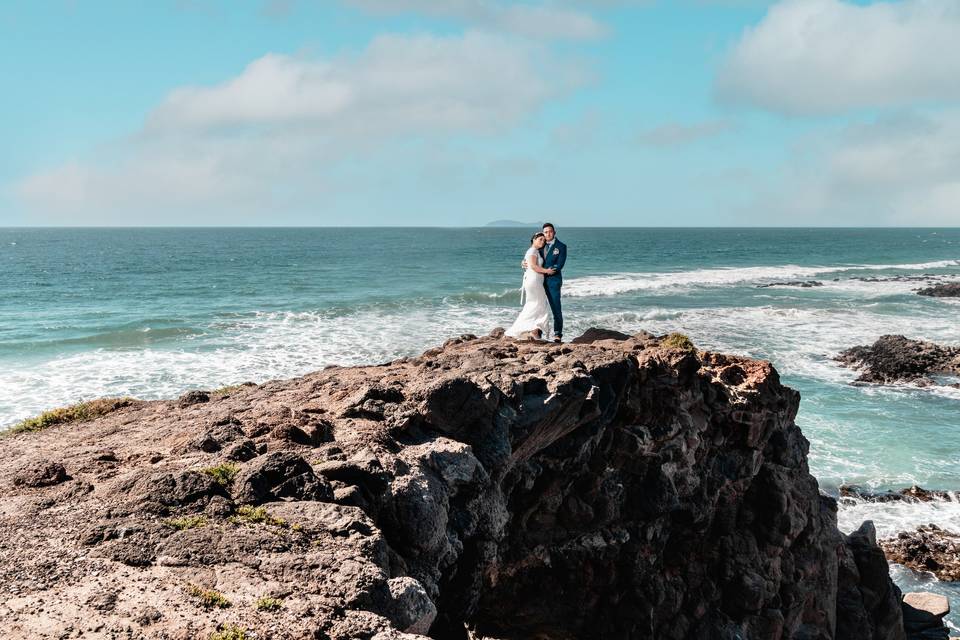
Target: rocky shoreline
(895, 359)
(613, 488)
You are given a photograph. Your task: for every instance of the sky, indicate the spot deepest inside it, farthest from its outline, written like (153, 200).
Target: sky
(459, 112)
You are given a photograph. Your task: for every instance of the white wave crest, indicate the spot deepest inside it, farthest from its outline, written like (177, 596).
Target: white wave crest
(625, 282)
(890, 518)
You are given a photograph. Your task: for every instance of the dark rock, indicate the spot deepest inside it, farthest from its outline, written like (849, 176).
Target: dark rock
(290, 433)
(910, 494)
(105, 455)
(894, 359)
(927, 548)
(193, 397)
(593, 334)
(220, 434)
(157, 492)
(277, 475)
(241, 451)
(944, 290)
(498, 332)
(362, 470)
(40, 474)
(803, 284)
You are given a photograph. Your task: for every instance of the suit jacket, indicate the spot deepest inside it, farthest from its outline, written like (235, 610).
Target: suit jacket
(555, 259)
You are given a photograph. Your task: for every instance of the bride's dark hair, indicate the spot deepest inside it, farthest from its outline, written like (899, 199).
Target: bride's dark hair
(535, 236)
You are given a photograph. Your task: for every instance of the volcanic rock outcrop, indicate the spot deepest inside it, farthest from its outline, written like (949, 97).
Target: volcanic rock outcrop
(943, 290)
(927, 548)
(488, 488)
(894, 359)
(852, 493)
(803, 284)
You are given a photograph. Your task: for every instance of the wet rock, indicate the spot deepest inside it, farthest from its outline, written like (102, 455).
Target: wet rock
(927, 548)
(894, 359)
(853, 493)
(42, 473)
(803, 284)
(943, 290)
(277, 475)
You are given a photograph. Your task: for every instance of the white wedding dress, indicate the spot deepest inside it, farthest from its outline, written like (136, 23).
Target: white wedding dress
(536, 310)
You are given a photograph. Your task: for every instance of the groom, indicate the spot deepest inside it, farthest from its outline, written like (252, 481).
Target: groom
(554, 255)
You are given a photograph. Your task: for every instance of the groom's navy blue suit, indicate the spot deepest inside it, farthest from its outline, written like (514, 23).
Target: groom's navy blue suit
(554, 258)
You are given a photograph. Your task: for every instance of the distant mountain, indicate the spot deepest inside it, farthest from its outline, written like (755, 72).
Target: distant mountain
(512, 223)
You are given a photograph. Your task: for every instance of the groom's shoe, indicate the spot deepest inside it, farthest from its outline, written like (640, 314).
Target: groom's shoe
(558, 339)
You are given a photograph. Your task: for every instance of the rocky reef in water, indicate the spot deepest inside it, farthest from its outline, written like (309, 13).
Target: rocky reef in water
(943, 290)
(486, 489)
(892, 359)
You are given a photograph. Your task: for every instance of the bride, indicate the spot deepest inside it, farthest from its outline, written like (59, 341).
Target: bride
(534, 318)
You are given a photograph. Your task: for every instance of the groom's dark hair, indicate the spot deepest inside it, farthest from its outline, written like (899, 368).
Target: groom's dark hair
(549, 224)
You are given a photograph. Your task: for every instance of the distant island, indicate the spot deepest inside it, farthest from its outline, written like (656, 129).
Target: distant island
(512, 223)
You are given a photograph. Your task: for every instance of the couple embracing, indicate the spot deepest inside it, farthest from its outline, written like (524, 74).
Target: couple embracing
(542, 280)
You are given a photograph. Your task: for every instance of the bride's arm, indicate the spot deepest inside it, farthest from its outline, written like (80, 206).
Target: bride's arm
(533, 265)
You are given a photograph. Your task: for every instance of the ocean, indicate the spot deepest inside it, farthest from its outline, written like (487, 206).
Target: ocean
(152, 313)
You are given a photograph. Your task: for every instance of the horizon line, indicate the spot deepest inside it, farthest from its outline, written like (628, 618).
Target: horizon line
(472, 227)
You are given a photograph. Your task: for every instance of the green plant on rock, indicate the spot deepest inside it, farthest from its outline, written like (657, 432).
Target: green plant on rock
(267, 603)
(222, 474)
(248, 514)
(229, 632)
(187, 522)
(208, 598)
(80, 412)
(228, 390)
(678, 341)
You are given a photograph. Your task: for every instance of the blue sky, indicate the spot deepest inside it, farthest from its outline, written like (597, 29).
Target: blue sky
(458, 112)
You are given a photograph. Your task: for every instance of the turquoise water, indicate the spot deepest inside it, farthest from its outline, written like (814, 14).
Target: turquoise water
(153, 312)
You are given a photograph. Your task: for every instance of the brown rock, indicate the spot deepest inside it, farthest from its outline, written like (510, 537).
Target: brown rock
(933, 603)
(497, 488)
(40, 473)
(928, 548)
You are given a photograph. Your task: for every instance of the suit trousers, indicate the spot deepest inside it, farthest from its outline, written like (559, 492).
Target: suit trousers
(552, 285)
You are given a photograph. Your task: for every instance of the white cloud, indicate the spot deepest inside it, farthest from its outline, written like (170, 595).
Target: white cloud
(675, 134)
(535, 20)
(477, 82)
(272, 135)
(900, 170)
(829, 56)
